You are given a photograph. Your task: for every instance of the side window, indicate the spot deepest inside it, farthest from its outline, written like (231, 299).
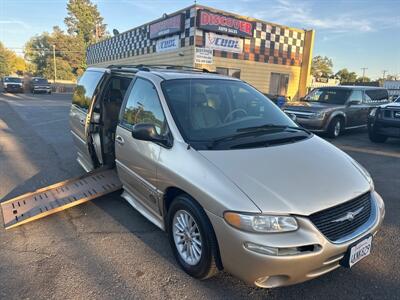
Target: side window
(143, 106)
(356, 95)
(85, 89)
(376, 96)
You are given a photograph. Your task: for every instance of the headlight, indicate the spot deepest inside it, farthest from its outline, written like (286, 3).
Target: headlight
(318, 115)
(261, 223)
(372, 113)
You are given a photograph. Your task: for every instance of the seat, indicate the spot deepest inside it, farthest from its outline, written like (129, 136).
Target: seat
(202, 115)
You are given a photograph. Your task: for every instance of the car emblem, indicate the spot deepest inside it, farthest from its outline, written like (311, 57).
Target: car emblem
(349, 216)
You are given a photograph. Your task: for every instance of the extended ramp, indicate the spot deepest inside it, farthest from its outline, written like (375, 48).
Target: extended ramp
(58, 197)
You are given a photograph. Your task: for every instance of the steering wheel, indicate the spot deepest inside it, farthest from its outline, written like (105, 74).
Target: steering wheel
(229, 115)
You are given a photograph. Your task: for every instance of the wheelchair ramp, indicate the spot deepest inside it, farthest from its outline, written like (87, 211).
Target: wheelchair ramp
(59, 196)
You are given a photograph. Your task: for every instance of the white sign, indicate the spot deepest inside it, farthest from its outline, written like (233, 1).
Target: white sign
(203, 56)
(167, 44)
(224, 42)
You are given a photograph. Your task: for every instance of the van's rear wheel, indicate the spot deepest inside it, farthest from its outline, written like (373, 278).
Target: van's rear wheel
(192, 238)
(335, 127)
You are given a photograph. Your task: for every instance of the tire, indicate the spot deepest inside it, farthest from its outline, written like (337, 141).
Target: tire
(335, 127)
(204, 265)
(376, 137)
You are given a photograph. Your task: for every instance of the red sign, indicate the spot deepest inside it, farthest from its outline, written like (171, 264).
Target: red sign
(224, 24)
(166, 27)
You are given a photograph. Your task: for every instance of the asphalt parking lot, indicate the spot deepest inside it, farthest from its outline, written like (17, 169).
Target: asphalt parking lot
(105, 249)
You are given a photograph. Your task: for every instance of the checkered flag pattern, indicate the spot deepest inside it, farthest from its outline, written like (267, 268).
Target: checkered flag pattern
(136, 42)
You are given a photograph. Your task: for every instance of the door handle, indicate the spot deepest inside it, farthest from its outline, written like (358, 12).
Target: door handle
(82, 122)
(120, 140)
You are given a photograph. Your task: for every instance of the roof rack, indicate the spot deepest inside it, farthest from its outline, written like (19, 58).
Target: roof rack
(148, 68)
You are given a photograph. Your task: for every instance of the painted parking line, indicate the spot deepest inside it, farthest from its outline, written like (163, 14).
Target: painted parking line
(369, 151)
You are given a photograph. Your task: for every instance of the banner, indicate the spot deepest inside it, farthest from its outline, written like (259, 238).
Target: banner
(168, 44)
(224, 42)
(220, 23)
(167, 26)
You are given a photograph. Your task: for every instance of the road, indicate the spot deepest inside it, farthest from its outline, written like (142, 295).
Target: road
(105, 249)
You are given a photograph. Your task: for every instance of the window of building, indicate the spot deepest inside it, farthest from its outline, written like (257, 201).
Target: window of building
(278, 84)
(229, 72)
(143, 106)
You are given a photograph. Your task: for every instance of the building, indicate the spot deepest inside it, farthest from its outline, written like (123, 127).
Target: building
(274, 58)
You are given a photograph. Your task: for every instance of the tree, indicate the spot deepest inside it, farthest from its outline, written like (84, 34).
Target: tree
(345, 76)
(10, 62)
(321, 67)
(69, 51)
(363, 79)
(84, 20)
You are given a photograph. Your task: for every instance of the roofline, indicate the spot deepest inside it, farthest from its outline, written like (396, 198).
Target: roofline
(211, 9)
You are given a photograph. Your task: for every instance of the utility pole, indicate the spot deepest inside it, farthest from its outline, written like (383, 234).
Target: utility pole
(54, 62)
(363, 76)
(384, 73)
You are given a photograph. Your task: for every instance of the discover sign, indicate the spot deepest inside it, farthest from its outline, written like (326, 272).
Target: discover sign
(224, 42)
(220, 23)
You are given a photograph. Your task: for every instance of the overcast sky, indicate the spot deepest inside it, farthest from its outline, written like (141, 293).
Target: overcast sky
(354, 33)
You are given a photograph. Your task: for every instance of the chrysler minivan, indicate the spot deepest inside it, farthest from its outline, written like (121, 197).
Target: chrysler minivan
(236, 184)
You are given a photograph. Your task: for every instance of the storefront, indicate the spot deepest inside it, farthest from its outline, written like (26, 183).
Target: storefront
(274, 58)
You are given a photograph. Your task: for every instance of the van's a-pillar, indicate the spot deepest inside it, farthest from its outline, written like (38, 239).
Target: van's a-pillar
(305, 73)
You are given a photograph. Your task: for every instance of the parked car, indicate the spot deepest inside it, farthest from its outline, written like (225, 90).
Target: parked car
(40, 85)
(384, 122)
(12, 84)
(235, 183)
(332, 110)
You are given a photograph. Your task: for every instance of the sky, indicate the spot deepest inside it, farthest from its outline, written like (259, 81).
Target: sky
(353, 33)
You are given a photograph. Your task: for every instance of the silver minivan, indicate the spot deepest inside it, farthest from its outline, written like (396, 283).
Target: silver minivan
(237, 185)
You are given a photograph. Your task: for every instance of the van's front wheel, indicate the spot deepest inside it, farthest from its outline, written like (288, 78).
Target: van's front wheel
(192, 238)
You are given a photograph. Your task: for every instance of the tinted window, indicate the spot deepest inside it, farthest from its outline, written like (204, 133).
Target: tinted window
(331, 96)
(85, 89)
(12, 79)
(205, 109)
(356, 96)
(378, 95)
(143, 106)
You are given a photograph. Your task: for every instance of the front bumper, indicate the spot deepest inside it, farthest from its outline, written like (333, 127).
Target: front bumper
(316, 125)
(390, 128)
(41, 89)
(273, 271)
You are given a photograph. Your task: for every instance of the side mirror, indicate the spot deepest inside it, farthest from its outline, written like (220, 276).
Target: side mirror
(148, 132)
(354, 102)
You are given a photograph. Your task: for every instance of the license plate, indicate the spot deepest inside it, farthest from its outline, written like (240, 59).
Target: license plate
(357, 252)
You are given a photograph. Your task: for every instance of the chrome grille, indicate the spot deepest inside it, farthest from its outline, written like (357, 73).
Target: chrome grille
(336, 222)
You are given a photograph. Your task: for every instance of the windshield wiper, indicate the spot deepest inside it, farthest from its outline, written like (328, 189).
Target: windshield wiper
(242, 132)
(271, 126)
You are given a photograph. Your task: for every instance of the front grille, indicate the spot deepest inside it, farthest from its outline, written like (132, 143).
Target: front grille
(325, 220)
(391, 113)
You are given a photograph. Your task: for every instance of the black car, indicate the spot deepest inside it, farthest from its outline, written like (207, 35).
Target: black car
(12, 84)
(40, 85)
(384, 122)
(333, 109)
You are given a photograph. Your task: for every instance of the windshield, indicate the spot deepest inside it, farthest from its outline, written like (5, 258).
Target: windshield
(211, 110)
(329, 95)
(39, 81)
(12, 79)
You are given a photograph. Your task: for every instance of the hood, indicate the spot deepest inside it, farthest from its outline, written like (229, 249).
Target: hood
(310, 106)
(391, 104)
(300, 178)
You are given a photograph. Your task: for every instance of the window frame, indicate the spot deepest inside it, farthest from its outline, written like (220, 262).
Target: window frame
(126, 98)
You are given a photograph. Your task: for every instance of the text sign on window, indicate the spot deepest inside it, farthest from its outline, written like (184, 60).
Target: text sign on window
(203, 56)
(166, 27)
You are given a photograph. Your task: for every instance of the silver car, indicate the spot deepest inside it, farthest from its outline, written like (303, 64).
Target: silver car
(237, 185)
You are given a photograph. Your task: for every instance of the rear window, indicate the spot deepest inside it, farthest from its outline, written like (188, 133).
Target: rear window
(85, 89)
(12, 79)
(378, 95)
